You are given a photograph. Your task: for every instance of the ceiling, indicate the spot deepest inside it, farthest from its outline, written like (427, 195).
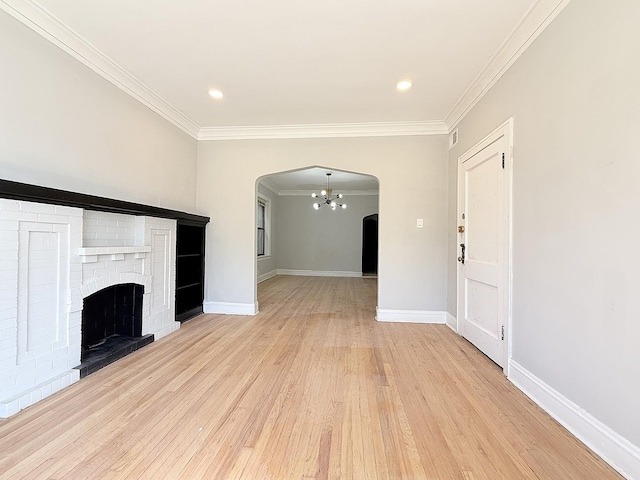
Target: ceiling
(288, 63)
(315, 179)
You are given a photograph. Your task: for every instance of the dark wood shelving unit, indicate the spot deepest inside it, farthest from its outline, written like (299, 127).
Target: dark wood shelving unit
(189, 269)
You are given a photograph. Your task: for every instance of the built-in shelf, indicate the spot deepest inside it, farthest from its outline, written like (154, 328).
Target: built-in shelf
(88, 251)
(189, 269)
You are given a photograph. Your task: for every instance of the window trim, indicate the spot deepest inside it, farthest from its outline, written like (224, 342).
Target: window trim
(266, 201)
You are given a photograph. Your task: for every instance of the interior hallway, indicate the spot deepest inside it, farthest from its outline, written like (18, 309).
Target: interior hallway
(312, 387)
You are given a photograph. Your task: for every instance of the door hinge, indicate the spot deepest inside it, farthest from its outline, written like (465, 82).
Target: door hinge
(502, 332)
(503, 167)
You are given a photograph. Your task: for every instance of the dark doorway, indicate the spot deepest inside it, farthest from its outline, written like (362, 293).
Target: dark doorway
(111, 326)
(370, 245)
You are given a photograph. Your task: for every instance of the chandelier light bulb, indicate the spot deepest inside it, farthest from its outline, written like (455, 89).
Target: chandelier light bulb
(344, 206)
(328, 197)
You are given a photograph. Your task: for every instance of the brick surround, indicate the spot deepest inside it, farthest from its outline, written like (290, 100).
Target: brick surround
(51, 258)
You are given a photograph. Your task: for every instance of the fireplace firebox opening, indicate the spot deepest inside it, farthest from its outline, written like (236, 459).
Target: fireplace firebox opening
(111, 326)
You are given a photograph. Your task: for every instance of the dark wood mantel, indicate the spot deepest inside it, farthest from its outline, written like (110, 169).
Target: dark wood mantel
(35, 193)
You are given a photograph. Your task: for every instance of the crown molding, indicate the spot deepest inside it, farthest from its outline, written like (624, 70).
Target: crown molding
(48, 26)
(267, 183)
(324, 130)
(537, 18)
(346, 193)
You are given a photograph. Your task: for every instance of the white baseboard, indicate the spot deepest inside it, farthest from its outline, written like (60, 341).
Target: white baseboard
(318, 273)
(452, 322)
(267, 276)
(410, 316)
(228, 308)
(614, 449)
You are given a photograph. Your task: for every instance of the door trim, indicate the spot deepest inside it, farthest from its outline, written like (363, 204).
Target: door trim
(505, 130)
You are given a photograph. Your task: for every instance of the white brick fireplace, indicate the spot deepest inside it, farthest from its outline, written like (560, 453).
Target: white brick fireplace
(51, 258)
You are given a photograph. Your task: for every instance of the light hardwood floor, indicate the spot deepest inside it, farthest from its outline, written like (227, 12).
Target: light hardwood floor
(311, 388)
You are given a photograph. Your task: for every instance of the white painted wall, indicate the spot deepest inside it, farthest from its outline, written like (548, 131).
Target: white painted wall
(40, 302)
(268, 264)
(576, 104)
(102, 229)
(323, 240)
(63, 126)
(412, 172)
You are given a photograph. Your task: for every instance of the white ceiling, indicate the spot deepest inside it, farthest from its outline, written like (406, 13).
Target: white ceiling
(297, 62)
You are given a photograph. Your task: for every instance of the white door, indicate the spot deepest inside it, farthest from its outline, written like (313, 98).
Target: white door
(483, 246)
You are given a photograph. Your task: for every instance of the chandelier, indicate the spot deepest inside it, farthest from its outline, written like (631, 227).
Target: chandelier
(327, 198)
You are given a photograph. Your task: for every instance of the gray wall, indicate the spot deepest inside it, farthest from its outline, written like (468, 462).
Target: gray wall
(575, 101)
(322, 240)
(269, 263)
(63, 126)
(412, 172)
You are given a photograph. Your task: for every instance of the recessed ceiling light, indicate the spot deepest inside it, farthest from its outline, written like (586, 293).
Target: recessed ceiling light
(215, 93)
(404, 85)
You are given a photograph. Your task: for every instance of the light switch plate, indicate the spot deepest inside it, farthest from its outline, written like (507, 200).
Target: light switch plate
(419, 223)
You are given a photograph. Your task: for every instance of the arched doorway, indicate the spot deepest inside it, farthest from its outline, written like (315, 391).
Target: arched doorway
(312, 242)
